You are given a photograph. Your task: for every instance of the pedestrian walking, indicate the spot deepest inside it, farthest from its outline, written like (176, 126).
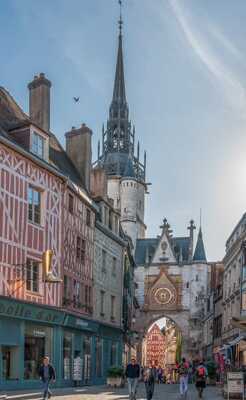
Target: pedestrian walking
(47, 375)
(160, 375)
(149, 381)
(183, 371)
(200, 377)
(132, 375)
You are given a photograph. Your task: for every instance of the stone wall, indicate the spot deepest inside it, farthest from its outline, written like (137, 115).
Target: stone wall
(109, 280)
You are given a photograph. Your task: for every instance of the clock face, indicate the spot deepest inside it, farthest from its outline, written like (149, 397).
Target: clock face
(164, 246)
(164, 296)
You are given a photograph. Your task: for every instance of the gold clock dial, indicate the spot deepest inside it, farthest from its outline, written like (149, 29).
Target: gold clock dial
(163, 296)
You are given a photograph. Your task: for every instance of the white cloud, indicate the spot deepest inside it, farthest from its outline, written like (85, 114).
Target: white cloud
(229, 82)
(226, 43)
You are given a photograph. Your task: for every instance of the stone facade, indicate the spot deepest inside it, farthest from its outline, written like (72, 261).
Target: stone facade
(108, 277)
(171, 288)
(233, 276)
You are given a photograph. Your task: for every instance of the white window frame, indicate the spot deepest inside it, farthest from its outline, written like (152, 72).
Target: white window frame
(38, 144)
(32, 219)
(30, 273)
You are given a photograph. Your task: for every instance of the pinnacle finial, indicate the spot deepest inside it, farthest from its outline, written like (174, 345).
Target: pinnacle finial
(120, 20)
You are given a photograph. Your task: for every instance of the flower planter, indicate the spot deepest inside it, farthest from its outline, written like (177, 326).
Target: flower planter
(116, 382)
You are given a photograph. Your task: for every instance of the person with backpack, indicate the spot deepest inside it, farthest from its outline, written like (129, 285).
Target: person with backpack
(149, 381)
(183, 371)
(200, 378)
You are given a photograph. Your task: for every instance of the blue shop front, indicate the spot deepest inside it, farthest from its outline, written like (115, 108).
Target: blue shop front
(80, 349)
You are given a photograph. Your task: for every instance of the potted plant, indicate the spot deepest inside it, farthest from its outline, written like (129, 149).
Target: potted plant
(115, 377)
(211, 367)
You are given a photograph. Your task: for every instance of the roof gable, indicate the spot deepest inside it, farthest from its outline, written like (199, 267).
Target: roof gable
(164, 251)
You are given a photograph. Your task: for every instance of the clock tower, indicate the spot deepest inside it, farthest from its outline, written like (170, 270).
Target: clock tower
(126, 174)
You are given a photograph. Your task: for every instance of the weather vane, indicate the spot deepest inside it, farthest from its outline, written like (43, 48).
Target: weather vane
(120, 20)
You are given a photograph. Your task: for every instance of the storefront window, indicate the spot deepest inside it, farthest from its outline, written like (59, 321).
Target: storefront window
(87, 358)
(98, 357)
(113, 354)
(67, 355)
(38, 343)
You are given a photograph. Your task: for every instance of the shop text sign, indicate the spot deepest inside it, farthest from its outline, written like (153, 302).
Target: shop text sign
(24, 311)
(235, 383)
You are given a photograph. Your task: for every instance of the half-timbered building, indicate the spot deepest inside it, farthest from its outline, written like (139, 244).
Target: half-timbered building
(44, 205)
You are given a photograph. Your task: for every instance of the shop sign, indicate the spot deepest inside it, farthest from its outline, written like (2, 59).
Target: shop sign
(235, 383)
(37, 333)
(80, 323)
(14, 309)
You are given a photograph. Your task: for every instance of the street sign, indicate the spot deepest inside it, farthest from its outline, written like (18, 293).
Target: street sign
(235, 383)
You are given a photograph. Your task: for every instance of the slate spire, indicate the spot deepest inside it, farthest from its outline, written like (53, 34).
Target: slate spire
(200, 254)
(119, 93)
(118, 137)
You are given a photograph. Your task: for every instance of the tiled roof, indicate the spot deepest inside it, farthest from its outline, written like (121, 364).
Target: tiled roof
(145, 249)
(181, 244)
(12, 116)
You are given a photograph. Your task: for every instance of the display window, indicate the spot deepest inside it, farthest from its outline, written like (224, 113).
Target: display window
(98, 357)
(67, 355)
(87, 358)
(113, 354)
(38, 343)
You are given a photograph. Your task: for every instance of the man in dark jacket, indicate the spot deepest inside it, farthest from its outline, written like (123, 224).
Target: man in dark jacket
(47, 375)
(132, 374)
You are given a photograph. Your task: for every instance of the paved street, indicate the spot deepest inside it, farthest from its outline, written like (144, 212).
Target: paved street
(163, 392)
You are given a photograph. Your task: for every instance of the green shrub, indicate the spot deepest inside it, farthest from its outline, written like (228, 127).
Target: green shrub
(115, 372)
(211, 367)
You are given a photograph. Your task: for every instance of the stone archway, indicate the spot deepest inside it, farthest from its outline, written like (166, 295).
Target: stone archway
(180, 318)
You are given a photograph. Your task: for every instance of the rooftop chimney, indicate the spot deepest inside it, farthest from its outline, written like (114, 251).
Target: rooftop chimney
(78, 148)
(39, 101)
(98, 183)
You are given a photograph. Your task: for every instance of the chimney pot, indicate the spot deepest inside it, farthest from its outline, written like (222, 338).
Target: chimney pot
(78, 148)
(39, 101)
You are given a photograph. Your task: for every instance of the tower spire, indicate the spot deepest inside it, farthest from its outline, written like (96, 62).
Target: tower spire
(119, 93)
(120, 20)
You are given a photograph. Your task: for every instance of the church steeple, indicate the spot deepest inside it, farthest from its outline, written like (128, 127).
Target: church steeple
(119, 93)
(118, 138)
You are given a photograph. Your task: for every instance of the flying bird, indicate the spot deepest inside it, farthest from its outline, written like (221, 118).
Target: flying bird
(76, 99)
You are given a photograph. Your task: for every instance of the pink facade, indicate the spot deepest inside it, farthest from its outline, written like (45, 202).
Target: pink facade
(23, 241)
(78, 231)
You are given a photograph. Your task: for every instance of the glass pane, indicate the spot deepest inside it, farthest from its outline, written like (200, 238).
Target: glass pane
(67, 356)
(30, 212)
(37, 214)
(30, 195)
(38, 343)
(28, 276)
(35, 277)
(98, 357)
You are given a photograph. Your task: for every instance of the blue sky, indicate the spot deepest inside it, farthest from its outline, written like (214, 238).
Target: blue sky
(185, 66)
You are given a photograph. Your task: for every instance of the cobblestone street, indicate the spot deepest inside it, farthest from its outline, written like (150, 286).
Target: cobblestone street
(162, 392)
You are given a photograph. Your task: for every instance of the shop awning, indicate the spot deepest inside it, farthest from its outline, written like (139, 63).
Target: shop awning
(239, 323)
(237, 340)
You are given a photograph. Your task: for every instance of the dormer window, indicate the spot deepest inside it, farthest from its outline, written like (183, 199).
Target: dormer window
(37, 144)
